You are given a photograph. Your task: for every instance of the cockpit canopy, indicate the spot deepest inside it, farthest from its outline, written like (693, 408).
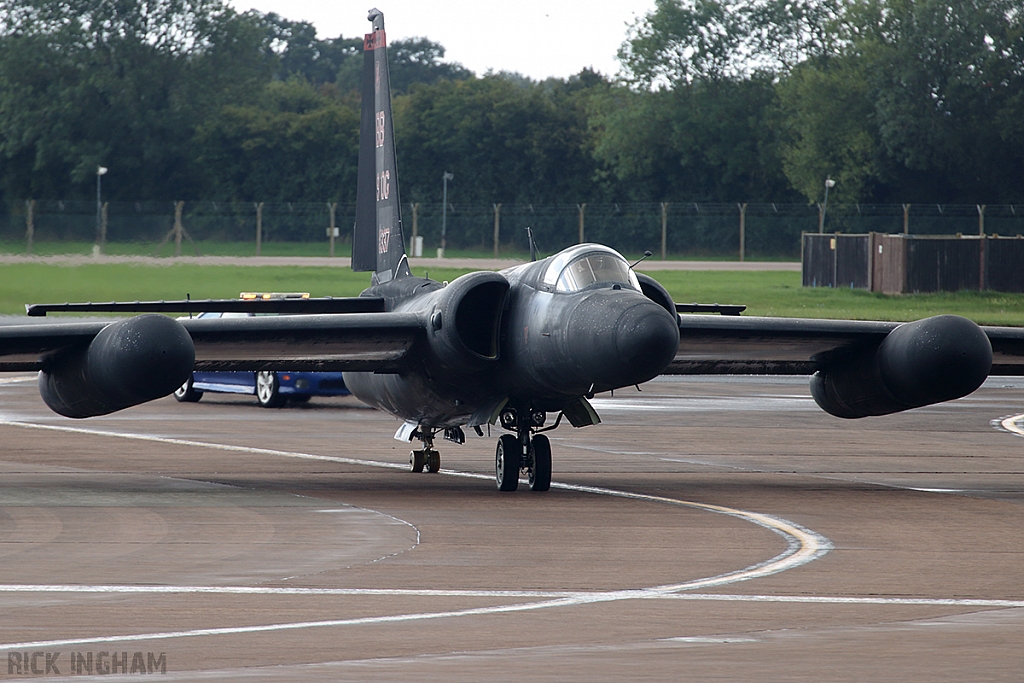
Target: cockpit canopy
(580, 267)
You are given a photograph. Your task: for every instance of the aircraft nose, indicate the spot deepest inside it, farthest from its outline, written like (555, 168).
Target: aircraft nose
(646, 339)
(621, 340)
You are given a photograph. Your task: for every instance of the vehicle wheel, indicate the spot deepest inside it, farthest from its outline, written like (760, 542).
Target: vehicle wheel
(506, 463)
(186, 394)
(266, 390)
(416, 461)
(433, 461)
(540, 473)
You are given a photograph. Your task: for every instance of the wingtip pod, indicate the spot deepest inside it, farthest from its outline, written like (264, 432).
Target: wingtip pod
(929, 361)
(129, 362)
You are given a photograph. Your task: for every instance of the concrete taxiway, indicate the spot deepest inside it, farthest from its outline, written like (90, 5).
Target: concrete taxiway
(710, 529)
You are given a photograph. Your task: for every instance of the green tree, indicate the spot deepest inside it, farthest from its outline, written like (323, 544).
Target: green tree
(294, 144)
(919, 102)
(826, 117)
(948, 78)
(701, 141)
(411, 61)
(683, 41)
(299, 52)
(506, 140)
(119, 83)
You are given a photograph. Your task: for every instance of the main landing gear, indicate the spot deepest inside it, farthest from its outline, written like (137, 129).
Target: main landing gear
(525, 451)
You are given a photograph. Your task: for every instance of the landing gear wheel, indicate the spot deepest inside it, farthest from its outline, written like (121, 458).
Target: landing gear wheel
(433, 461)
(186, 394)
(417, 460)
(267, 390)
(507, 463)
(540, 472)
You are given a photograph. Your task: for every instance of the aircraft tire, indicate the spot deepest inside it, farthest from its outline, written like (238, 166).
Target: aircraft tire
(416, 461)
(433, 461)
(506, 463)
(186, 394)
(540, 473)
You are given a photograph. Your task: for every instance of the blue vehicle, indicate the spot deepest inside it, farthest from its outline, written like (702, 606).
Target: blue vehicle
(272, 389)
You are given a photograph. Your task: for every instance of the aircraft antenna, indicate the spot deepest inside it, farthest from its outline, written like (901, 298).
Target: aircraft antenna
(533, 245)
(646, 254)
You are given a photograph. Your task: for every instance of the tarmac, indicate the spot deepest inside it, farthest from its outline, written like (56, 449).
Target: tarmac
(711, 529)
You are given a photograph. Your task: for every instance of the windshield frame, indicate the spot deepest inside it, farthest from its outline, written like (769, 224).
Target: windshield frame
(560, 262)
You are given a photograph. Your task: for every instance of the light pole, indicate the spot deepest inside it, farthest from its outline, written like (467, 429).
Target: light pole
(100, 172)
(444, 212)
(829, 183)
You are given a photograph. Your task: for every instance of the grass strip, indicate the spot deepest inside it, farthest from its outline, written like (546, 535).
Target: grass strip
(763, 292)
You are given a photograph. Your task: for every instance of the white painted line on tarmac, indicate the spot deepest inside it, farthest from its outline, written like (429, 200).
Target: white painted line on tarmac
(203, 444)
(286, 590)
(803, 546)
(844, 600)
(1011, 425)
(574, 600)
(585, 596)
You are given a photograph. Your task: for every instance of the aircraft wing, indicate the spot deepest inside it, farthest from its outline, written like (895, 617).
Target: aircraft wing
(795, 346)
(355, 341)
(361, 342)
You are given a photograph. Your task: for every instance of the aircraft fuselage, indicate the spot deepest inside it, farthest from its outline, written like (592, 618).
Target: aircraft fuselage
(530, 336)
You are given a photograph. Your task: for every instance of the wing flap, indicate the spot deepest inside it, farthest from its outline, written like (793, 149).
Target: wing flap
(1007, 350)
(358, 342)
(363, 342)
(24, 347)
(355, 304)
(717, 345)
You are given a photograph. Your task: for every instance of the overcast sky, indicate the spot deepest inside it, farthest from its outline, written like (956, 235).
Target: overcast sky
(537, 38)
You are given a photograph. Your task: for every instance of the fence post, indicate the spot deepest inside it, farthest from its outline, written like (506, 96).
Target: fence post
(582, 207)
(664, 228)
(497, 227)
(743, 230)
(178, 206)
(259, 227)
(331, 206)
(981, 247)
(906, 219)
(30, 225)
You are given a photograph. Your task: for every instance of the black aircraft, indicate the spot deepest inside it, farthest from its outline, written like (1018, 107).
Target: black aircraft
(506, 348)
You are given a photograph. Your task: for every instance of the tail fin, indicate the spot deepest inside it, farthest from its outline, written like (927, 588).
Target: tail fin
(377, 241)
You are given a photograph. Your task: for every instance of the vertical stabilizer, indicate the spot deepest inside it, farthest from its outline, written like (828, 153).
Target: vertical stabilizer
(378, 243)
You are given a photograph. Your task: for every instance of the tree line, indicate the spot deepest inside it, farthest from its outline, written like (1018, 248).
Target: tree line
(718, 101)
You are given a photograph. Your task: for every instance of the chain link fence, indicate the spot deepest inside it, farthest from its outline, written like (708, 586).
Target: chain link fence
(673, 229)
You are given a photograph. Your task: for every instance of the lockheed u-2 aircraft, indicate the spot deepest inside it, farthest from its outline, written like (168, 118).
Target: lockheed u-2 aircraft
(507, 348)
